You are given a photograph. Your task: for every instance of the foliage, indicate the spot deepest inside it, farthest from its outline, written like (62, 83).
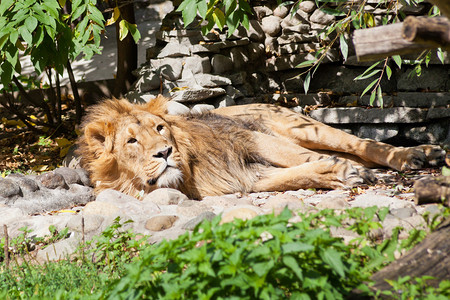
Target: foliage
(263, 258)
(266, 257)
(230, 13)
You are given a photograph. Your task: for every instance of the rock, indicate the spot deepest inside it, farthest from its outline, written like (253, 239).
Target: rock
(91, 223)
(403, 213)
(197, 65)
(70, 175)
(176, 108)
(57, 251)
(159, 223)
(239, 57)
(10, 215)
(318, 16)
(147, 82)
(221, 64)
(84, 176)
(255, 52)
(368, 200)
(191, 224)
(271, 25)
(262, 11)
(196, 94)
(427, 134)
(300, 28)
(356, 115)
(226, 101)
(378, 133)
(307, 6)
(192, 208)
(9, 188)
(80, 194)
(204, 48)
(333, 203)
(242, 213)
(174, 50)
(201, 108)
(165, 196)
(279, 202)
(52, 180)
(281, 11)
(255, 32)
(433, 78)
(101, 209)
(210, 81)
(168, 68)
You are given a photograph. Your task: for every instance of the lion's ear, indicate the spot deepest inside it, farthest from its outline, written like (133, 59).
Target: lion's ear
(100, 136)
(157, 106)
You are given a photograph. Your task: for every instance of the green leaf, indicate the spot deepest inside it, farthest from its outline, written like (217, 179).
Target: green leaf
(333, 259)
(189, 12)
(364, 75)
(296, 247)
(388, 72)
(343, 45)
(372, 97)
(13, 37)
(31, 23)
(134, 32)
(5, 5)
(123, 29)
(305, 64)
(202, 8)
(398, 60)
(306, 82)
(219, 18)
(95, 15)
(52, 7)
(440, 55)
(26, 35)
(380, 96)
(291, 263)
(374, 72)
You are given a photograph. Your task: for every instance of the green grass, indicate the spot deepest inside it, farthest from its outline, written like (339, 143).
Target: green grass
(267, 257)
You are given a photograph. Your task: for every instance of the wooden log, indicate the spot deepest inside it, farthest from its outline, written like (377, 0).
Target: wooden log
(432, 190)
(430, 257)
(443, 5)
(383, 41)
(432, 31)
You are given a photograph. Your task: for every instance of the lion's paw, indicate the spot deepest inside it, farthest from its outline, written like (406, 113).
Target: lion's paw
(419, 157)
(350, 176)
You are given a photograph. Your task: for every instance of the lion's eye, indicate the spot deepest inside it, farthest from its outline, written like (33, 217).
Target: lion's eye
(159, 128)
(131, 141)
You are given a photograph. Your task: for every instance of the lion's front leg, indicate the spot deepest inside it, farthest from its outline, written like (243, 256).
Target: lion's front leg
(330, 173)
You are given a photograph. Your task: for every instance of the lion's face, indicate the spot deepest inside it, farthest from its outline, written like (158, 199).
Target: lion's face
(136, 149)
(145, 147)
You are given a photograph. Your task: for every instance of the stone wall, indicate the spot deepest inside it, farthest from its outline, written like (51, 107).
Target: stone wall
(259, 65)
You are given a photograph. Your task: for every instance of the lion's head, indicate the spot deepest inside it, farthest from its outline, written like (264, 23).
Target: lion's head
(129, 147)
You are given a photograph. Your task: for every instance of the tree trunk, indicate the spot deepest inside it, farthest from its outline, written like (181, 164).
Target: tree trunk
(430, 257)
(432, 190)
(126, 52)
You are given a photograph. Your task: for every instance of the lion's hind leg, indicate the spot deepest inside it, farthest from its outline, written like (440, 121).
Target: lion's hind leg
(329, 173)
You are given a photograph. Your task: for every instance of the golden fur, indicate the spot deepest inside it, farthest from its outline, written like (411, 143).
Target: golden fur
(138, 148)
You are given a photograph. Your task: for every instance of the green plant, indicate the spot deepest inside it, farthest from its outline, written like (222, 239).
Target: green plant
(406, 288)
(266, 257)
(115, 247)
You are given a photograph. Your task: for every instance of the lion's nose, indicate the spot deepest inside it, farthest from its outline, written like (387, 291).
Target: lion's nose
(165, 153)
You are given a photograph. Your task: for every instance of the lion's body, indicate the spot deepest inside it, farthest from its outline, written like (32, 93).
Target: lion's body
(133, 148)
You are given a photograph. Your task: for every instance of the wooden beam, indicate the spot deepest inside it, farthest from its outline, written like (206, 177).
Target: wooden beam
(383, 41)
(422, 30)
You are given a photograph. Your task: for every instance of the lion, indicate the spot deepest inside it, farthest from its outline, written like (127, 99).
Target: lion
(137, 148)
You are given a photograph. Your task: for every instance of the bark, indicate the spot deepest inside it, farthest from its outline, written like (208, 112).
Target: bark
(432, 31)
(380, 42)
(126, 53)
(430, 257)
(432, 190)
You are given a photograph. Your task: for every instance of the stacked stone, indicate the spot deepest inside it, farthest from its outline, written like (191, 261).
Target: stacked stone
(260, 65)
